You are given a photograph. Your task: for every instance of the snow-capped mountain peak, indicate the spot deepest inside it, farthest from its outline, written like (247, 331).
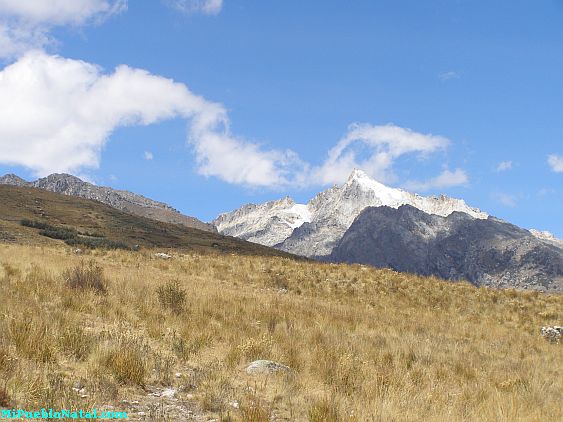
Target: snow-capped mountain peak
(386, 194)
(313, 229)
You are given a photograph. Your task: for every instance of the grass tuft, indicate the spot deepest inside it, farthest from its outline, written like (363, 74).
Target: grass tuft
(324, 410)
(126, 364)
(86, 276)
(171, 296)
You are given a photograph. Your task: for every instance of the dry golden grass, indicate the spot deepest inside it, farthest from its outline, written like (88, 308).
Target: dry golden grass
(363, 344)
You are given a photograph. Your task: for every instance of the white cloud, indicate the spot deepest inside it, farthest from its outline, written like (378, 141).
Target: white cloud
(546, 191)
(505, 199)
(384, 145)
(504, 165)
(56, 115)
(148, 155)
(208, 7)
(446, 76)
(556, 163)
(25, 25)
(446, 179)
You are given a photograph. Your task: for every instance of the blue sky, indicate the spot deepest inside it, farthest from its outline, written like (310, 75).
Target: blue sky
(455, 97)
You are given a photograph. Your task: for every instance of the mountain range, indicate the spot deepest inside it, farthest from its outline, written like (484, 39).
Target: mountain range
(122, 200)
(364, 221)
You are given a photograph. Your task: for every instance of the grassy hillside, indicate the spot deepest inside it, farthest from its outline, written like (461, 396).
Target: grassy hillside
(362, 344)
(86, 216)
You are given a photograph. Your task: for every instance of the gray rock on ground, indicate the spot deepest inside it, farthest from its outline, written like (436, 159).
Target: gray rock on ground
(265, 367)
(552, 334)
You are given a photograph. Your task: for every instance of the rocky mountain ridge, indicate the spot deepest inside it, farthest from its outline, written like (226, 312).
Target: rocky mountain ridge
(132, 203)
(313, 229)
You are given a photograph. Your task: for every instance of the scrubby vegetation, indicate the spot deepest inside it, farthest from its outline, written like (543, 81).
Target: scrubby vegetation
(172, 296)
(94, 243)
(86, 276)
(72, 237)
(362, 344)
(34, 224)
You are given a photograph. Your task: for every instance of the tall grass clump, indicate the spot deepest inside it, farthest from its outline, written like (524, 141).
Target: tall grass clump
(125, 362)
(86, 276)
(171, 296)
(75, 342)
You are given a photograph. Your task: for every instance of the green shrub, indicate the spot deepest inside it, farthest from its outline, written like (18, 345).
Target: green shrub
(61, 233)
(34, 224)
(73, 238)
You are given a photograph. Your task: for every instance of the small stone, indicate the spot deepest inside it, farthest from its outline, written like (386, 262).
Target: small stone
(162, 255)
(141, 413)
(234, 404)
(83, 396)
(178, 375)
(189, 396)
(265, 367)
(168, 392)
(135, 402)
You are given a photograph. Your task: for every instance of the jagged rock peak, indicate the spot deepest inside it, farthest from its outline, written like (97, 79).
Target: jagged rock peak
(12, 179)
(313, 229)
(268, 223)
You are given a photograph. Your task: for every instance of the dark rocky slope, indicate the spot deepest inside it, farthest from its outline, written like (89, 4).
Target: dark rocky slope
(487, 252)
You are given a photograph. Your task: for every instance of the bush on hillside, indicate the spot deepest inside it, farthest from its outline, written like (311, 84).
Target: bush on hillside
(34, 224)
(86, 276)
(172, 296)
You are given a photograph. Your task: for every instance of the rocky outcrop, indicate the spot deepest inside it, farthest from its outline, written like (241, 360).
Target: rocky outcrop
(545, 235)
(486, 252)
(132, 203)
(12, 179)
(268, 224)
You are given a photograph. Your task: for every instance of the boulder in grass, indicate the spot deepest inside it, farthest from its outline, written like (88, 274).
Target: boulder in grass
(552, 334)
(265, 367)
(162, 255)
